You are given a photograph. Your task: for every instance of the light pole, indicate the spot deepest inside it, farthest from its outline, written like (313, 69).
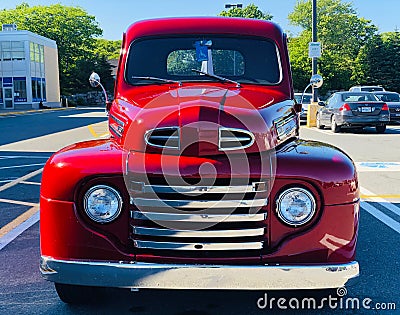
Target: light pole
(238, 5)
(314, 40)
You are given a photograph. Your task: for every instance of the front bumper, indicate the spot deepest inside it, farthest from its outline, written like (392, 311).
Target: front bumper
(175, 276)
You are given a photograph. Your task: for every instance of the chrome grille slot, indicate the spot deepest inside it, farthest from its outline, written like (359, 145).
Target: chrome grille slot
(166, 137)
(195, 219)
(234, 139)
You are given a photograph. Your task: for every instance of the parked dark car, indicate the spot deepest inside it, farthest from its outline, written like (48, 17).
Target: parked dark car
(392, 99)
(353, 109)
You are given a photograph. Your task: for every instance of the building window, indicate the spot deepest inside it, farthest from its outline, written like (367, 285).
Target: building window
(20, 94)
(38, 89)
(32, 51)
(44, 89)
(1, 90)
(17, 51)
(34, 90)
(41, 51)
(6, 51)
(37, 53)
(12, 51)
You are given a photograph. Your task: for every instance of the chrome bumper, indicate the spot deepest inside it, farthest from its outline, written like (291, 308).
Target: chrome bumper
(168, 276)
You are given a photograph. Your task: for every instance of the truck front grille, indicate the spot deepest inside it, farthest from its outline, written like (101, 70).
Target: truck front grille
(198, 221)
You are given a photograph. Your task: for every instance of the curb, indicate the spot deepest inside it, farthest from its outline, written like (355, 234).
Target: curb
(34, 111)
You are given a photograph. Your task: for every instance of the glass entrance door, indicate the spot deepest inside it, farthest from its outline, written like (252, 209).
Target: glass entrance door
(8, 98)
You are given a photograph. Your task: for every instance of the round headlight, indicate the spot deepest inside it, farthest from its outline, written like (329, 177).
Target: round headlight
(102, 203)
(296, 206)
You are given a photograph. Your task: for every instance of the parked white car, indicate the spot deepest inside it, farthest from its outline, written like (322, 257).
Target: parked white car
(307, 98)
(366, 88)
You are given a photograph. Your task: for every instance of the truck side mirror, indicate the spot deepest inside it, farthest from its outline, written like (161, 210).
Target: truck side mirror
(94, 81)
(316, 80)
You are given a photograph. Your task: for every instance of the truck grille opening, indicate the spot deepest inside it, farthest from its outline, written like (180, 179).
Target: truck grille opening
(234, 139)
(167, 137)
(199, 221)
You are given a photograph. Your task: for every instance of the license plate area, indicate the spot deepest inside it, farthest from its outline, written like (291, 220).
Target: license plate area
(365, 109)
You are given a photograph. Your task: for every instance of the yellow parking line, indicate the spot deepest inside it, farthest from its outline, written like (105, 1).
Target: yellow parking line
(381, 196)
(22, 218)
(95, 134)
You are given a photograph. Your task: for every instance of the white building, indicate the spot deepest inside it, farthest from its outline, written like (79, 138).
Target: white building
(28, 70)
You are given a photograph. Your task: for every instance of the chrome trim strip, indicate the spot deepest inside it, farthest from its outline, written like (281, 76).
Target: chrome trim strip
(198, 218)
(165, 137)
(200, 233)
(115, 131)
(118, 121)
(197, 246)
(198, 204)
(195, 276)
(250, 134)
(148, 133)
(255, 187)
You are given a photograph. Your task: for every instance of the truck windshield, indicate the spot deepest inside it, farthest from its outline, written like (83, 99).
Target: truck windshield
(245, 60)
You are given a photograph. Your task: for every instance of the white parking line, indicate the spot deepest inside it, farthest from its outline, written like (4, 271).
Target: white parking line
(30, 183)
(21, 166)
(381, 216)
(20, 179)
(17, 202)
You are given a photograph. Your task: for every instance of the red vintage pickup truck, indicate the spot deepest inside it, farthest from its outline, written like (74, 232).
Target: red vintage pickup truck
(204, 182)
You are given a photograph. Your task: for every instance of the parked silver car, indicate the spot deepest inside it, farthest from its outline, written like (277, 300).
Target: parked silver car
(393, 101)
(353, 109)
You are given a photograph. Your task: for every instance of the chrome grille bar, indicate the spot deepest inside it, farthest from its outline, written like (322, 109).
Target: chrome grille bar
(197, 246)
(199, 233)
(198, 218)
(240, 189)
(198, 204)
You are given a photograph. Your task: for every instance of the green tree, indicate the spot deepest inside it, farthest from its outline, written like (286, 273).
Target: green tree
(72, 28)
(342, 33)
(110, 49)
(251, 12)
(378, 62)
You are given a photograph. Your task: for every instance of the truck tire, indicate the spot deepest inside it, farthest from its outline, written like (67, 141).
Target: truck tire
(76, 294)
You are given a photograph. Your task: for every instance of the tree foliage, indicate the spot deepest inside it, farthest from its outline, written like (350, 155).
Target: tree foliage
(110, 49)
(251, 12)
(74, 31)
(378, 62)
(341, 32)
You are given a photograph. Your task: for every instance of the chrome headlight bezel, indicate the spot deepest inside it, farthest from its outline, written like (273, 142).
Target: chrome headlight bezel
(305, 194)
(117, 204)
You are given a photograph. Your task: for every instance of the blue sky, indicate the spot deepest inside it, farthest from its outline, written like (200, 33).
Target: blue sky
(115, 16)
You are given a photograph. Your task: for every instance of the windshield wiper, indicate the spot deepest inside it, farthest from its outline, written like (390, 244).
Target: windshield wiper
(157, 79)
(217, 77)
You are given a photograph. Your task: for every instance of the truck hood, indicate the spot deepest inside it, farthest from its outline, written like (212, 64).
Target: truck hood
(199, 113)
